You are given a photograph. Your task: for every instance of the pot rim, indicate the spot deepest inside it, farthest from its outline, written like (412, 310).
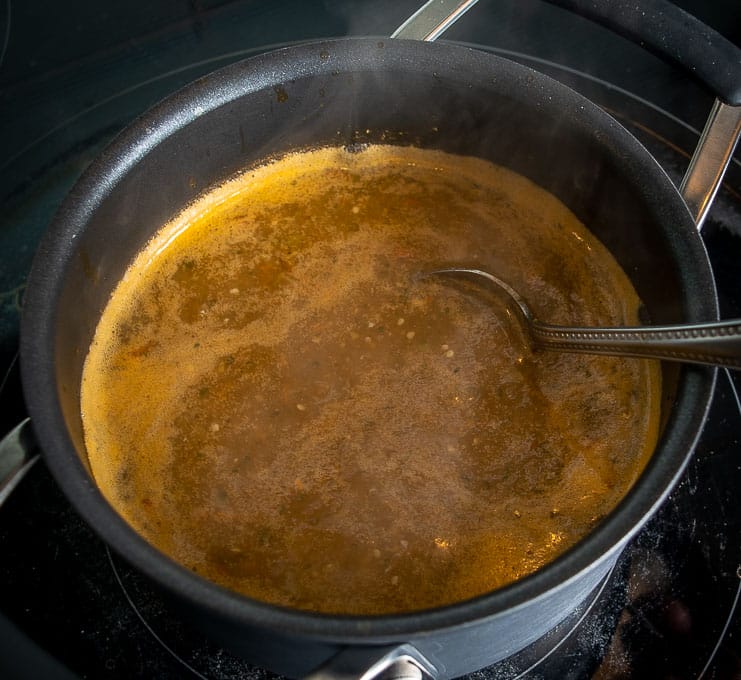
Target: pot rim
(265, 71)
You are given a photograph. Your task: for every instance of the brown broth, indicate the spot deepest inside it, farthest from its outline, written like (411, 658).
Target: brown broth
(280, 402)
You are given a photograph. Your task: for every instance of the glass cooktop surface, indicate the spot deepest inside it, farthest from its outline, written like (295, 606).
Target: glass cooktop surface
(74, 74)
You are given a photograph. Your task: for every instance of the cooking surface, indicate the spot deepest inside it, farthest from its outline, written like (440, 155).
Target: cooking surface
(71, 81)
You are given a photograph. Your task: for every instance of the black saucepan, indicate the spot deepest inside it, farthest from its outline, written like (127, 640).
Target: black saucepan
(336, 93)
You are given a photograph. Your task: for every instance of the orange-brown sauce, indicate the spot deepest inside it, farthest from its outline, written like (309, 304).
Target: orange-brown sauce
(275, 398)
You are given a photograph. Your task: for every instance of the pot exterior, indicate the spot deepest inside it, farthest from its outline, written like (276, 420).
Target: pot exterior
(351, 92)
(444, 653)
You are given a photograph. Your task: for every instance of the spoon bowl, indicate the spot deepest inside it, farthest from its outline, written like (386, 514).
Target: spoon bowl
(715, 343)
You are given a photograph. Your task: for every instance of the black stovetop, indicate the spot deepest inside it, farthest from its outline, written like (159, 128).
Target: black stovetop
(73, 74)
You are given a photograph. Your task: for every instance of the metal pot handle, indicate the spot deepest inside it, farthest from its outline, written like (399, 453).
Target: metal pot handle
(659, 26)
(18, 453)
(672, 34)
(391, 662)
(679, 38)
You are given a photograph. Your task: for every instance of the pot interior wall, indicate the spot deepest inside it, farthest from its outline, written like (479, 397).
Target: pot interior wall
(508, 115)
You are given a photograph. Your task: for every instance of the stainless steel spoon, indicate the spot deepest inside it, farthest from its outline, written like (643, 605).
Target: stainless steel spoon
(717, 343)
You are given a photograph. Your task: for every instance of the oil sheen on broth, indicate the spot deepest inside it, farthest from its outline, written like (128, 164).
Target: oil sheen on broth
(276, 399)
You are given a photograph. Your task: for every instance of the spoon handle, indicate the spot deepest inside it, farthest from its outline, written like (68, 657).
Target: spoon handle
(717, 343)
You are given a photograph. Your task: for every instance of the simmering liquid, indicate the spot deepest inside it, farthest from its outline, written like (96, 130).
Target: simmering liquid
(277, 399)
